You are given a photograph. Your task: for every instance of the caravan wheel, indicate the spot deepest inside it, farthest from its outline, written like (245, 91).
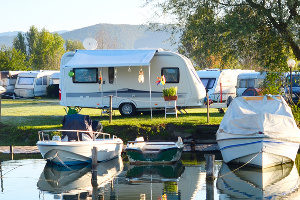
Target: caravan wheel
(127, 109)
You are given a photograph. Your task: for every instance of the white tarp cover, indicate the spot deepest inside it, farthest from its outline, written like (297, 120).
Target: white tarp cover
(272, 117)
(111, 58)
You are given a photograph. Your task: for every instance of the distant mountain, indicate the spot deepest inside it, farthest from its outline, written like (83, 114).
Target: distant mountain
(123, 35)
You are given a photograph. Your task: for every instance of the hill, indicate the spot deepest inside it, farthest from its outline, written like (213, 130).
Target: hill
(123, 36)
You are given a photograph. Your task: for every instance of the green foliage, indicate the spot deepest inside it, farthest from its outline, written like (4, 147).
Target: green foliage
(19, 43)
(168, 92)
(73, 45)
(47, 51)
(233, 33)
(12, 59)
(32, 37)
(53, 91)
(274, 83)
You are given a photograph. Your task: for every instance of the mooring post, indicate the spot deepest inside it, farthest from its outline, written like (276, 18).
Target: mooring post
(110, 108)
(210, 159)
(94, 167)
(11, 151)
(0, 106)
(207, 105)
(2, 189)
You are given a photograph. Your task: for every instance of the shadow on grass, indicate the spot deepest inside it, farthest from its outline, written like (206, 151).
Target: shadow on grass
(31, 103)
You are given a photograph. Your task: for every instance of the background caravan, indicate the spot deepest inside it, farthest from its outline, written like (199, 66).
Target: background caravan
(88, 77)
(221, 85)
(33, 83)
(8, 80)
(250, 82)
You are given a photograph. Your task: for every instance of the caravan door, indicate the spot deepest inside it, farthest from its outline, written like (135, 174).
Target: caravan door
(40, 86)
(107, 79)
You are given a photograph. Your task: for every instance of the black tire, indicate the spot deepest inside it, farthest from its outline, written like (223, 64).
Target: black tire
(229, 100)
(127, 109)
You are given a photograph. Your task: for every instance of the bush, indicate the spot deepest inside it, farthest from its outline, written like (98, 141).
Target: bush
(168, 92)
(53, 91)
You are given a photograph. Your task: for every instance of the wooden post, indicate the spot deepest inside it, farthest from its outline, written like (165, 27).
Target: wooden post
(94, 166)
(110, 108)
(2, 189)
(11, 151)
(210, 158)
(0, 106)
(207, 105)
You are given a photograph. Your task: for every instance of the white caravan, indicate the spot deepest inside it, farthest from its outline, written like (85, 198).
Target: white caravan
(249, 81)
(33, 83)
(54, 78)
(8, 80)
(89, 77)
(221, 85)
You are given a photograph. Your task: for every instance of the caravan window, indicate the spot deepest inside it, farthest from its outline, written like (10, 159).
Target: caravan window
(246, 83)
(208, 82)
(39, 81)
(85, 75)
(44, 80)
(25, 80)
(171, 74)
(111, 75)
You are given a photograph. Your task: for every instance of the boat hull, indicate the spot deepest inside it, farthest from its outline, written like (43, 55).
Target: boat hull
(73, 153)
(163, 156)
(259, 152)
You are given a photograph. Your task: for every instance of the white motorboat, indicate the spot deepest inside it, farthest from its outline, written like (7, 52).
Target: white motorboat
(141, 152)
(76, 146)
(277, 182)
(259, 131)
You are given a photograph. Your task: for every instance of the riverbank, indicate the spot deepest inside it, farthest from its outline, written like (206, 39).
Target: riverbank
(22, 119)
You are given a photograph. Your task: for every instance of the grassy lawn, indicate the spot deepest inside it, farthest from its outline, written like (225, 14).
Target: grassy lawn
(21, 119)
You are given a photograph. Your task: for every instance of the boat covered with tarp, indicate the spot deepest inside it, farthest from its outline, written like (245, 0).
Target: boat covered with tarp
(259, 131)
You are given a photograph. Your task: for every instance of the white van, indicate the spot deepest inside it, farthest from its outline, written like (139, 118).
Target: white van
(33, 83)
(221, 85)
(89, 77)
(249, 81)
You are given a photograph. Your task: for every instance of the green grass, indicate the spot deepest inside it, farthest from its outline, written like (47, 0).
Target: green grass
(21, 119)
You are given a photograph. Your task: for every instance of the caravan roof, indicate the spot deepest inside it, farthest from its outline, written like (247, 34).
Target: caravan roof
(252, 75)
(215, 73)
(111, 58)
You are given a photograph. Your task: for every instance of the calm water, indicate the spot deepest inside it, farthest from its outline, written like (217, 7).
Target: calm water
(34, 179)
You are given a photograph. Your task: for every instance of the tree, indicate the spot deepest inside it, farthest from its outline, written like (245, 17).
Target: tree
(224, 26)
(47, 51)
(31, 37)
(13, 59)
(106, 41)
(72, 45)
(19, 43)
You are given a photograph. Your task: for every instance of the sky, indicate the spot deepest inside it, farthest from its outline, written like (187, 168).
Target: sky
(56, 15)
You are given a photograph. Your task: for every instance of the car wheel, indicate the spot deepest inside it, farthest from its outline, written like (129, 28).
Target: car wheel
(127, 109)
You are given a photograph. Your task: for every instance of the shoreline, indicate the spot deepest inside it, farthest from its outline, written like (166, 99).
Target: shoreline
(34, 149)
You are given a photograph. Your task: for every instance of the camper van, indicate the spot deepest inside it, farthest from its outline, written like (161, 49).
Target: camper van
(33, 83)
(8, 80)
(295, 86)
(249, 83)
(132, 77)
(221, 85)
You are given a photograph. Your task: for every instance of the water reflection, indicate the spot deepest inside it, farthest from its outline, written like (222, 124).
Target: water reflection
(167, 174)
(280, 181)
(74, 182)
